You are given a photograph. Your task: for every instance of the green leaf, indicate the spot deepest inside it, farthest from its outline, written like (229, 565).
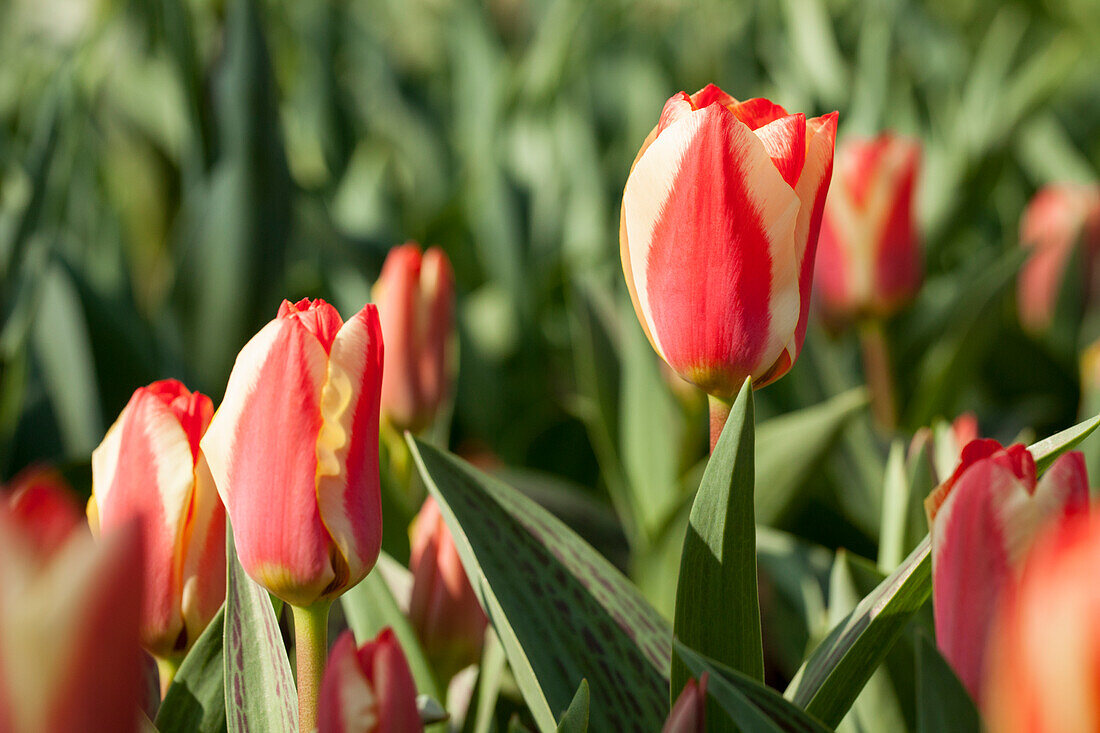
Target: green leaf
(490, 675)
(943, 704)
(370, 607)
(1048, 450)
(562, 612)
(259, 687)
(575, 718)
(717, 608)
(750, 705)
(196, 698)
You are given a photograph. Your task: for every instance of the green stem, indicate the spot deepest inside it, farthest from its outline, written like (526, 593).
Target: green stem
(311, 651)
(879, 374)
(167, 667)
(719, 413)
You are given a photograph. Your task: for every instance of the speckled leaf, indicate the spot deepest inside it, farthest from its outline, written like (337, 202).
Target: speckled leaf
(259, 687)
(562, 612)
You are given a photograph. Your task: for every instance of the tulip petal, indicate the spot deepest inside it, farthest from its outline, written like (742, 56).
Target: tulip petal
(347, 703)
(261, 449)
(710, 224)
(348, 495)
(395, 296)
(708, 95)
(203, 575)
(389, 674)
(785, 141)
(437, 293)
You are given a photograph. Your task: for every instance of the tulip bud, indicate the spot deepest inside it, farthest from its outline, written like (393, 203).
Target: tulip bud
(689, 712)
(442, 607)
(718, 232)
(150, 468)
(1059, 220)
(69, 622)
(43, 504)
(294, 451)
(982, 522)
(415, 297)
(869, 261)
(369, 690)
(1044, 655)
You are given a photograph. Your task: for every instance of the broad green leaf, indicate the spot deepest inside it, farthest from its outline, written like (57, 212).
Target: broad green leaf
(943, 704)
(751, 706)
(1048, 450)
(562, 612)
(370, 607)
(575, 718)
(717, 607)
(259, 687)
(195, 701)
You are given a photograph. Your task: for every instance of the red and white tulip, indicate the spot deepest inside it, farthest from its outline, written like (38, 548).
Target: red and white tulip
(294, 451)
(983, 519)
(43, 504)
(689, 712)
(415, 297)
(868, 258)
(150, 468)
(70, 658)
(1059, 221)
(718, 232)
(368, 690)
(1044, 658)
(443, 607)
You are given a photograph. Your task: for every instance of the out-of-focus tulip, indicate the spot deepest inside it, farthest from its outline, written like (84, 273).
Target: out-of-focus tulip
(150, 467)
(1044, 651)
(69, 623)
(415, 297)
(294, 451)
(43, 504)
(442, 607)
(983, 520)
(689, 712)
(718, 231)
(1059, 220)
(869, 261)
(368, 690)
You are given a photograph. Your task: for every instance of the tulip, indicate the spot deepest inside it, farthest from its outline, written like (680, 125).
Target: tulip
(150, 468)
(717, 235)
(41, 501)
(689, 712)
(1059, 220)
(369, 690)
(442, 607)
(69, 642)
(415, 297)
(1044, 656)
(294, 451)
(868, 261)
(982, 521)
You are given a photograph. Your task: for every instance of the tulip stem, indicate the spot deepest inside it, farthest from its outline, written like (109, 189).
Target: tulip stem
(878, 373)
(311, 651)
(719, 413)
(167, 668)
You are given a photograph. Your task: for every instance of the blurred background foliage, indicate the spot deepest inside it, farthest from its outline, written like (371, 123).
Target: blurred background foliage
(171, 169)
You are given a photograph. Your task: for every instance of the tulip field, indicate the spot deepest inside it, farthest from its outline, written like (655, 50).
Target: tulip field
(374, 366)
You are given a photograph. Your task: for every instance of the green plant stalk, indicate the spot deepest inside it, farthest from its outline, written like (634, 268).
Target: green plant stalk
(310, 651)
(878, 373)
(719, 413)
(167, 667)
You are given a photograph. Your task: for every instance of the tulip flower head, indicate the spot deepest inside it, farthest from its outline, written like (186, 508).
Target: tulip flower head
(150, 468)
(443, 607)
(689, 712)
(415, 297)
(44, 505)
(294, 451)
(1059, 221)
(69, 621)
(368, 690)
(869, 261)
(1044, 657)
(982, 521)
(717, 235)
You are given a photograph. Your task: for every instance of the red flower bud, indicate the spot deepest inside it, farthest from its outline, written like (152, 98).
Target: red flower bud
(43, 504)
(869, 261)
(689, 713)
(369, 690)
(294, 451)
(718, 232)
(150, 468)
(415, 297)
(443, 608)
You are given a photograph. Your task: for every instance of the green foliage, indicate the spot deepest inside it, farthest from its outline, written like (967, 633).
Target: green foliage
(195, 700)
